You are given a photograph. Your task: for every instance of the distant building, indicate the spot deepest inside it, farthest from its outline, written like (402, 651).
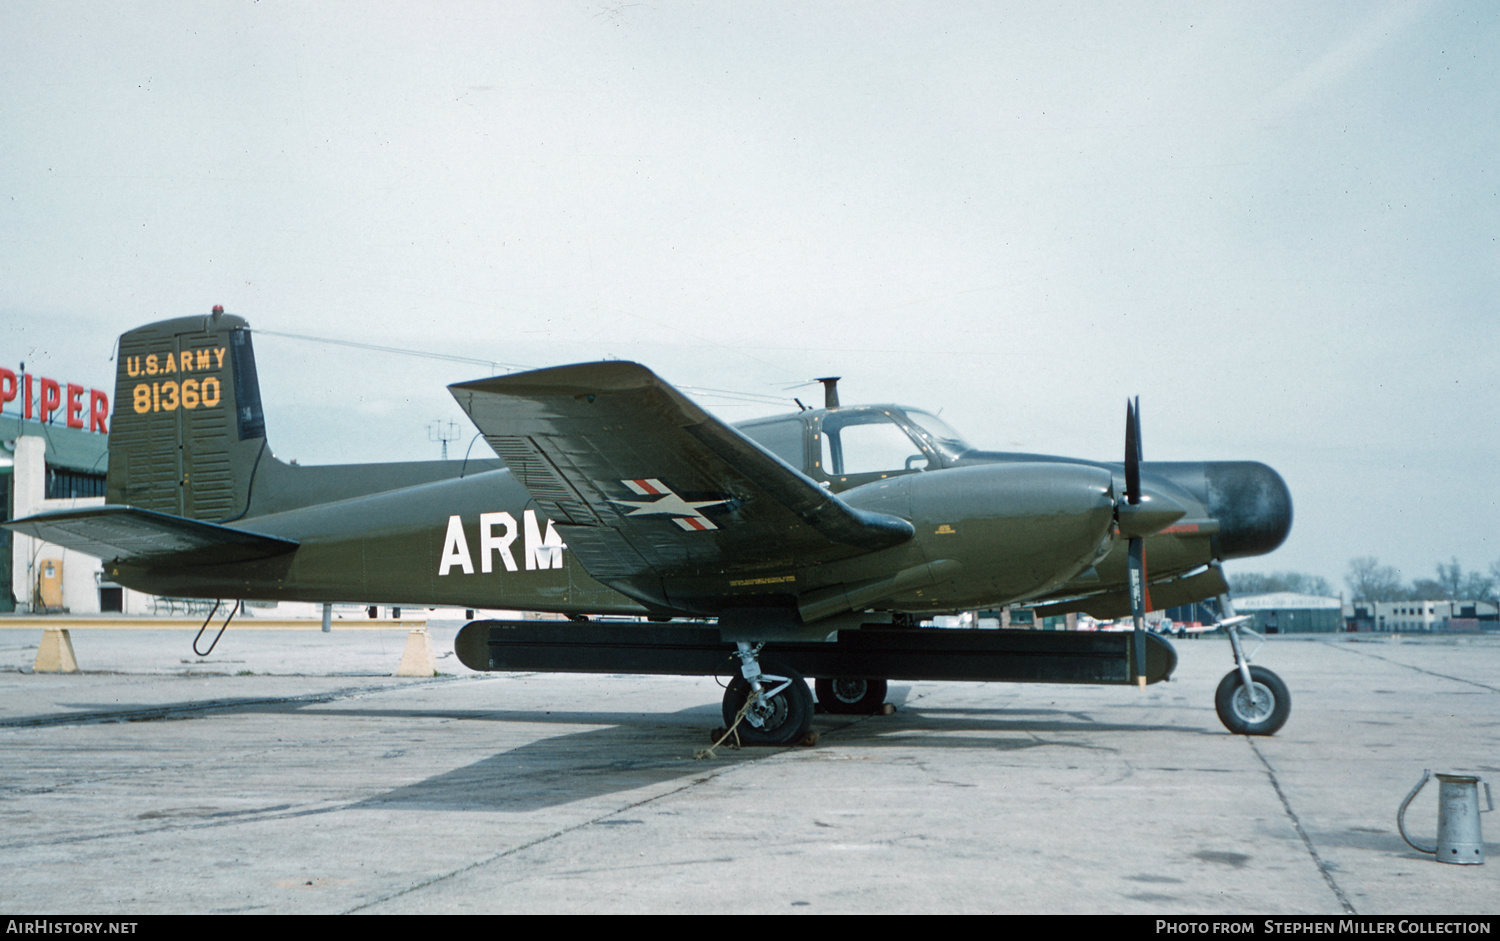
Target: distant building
(1420, 616)
(48, 466)
(1285, 612)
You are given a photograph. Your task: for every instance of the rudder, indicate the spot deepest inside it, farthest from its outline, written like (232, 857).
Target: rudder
(188, 429)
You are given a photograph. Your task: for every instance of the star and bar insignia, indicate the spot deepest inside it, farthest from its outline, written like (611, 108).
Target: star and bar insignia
(665, 502)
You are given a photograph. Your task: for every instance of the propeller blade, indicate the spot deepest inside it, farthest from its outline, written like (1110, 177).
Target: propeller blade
(1138, 602)
(1138, 598)
(1140, 453)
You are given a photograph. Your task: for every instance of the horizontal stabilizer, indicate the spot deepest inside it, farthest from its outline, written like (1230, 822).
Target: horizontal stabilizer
(131, 534)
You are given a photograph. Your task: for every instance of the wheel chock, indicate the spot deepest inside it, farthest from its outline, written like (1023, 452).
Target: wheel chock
(418, 659)
(55, 653)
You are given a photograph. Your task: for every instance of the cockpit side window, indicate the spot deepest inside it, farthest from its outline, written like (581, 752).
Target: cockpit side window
(868, 443)
(782, 438)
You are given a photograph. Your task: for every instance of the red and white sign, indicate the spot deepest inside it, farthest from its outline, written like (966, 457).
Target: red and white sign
(43, 398)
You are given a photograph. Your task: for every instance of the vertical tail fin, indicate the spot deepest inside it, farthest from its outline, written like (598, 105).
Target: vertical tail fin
(188, 430)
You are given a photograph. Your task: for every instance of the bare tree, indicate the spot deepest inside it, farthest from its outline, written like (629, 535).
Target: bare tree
(1426, 589)
(1484, 586)
(1368, 580)
(1477, 586)
(1451, 579)
(1459, 585)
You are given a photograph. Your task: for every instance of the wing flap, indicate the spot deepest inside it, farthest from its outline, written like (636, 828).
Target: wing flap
(127, 533)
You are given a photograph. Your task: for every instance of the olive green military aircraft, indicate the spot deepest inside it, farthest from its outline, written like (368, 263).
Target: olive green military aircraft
(678, 543)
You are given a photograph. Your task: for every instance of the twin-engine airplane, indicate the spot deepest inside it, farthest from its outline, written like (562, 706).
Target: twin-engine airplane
(825, 536)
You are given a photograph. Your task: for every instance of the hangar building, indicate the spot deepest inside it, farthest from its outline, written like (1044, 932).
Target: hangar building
(1285, 612)
(48, 466)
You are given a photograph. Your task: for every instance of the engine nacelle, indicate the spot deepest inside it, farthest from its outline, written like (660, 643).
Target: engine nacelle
(1017, 530)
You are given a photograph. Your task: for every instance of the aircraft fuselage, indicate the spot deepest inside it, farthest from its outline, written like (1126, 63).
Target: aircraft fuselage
(618, 495)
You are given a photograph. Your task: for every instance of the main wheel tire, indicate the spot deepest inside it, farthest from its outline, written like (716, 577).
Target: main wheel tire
(1263, 713)
(846, 696)
(785, 719)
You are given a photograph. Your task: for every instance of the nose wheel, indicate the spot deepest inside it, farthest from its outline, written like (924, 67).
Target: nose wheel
(1258, 709)
(1250, 700)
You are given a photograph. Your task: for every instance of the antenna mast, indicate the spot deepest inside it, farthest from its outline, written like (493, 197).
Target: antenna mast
(436, 432)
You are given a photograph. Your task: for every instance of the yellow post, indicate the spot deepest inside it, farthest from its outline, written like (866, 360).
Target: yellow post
(418, 659)
(55, 654)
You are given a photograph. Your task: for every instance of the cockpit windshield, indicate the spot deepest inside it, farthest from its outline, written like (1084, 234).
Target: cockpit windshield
(860, 440)
(937, 433)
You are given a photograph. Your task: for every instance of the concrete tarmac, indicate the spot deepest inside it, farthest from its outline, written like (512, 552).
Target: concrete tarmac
(290, 772)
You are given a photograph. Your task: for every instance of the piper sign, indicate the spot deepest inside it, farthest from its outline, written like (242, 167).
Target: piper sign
(43, 398)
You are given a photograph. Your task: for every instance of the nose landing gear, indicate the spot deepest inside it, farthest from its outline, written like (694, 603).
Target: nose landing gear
(1250, 700)
(1261, 708)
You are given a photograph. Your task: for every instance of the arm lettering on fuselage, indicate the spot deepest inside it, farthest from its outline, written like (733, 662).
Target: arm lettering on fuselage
(542, 552)
(456, 548)
(489, 541)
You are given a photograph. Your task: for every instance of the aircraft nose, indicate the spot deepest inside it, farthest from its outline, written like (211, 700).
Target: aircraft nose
(1251, 503)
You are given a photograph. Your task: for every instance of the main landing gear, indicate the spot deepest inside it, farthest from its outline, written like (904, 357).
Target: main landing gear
(780, 706)
(1250, 700)
(777, 705)
(844, 696)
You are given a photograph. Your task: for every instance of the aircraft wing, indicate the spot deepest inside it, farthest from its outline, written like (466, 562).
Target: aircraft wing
(132, 534)
(644, 483)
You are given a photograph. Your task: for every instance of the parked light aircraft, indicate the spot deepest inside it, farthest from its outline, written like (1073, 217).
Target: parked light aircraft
(825, 536)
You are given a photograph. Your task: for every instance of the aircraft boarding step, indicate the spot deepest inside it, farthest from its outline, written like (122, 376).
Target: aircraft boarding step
(694, 648)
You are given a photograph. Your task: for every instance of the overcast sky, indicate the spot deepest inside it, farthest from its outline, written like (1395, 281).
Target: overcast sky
(1276, 223)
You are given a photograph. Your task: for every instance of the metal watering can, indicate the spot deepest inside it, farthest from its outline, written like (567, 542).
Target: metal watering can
(1458, 838)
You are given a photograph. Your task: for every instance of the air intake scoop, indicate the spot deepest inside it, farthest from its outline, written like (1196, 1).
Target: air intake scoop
(1154, 513)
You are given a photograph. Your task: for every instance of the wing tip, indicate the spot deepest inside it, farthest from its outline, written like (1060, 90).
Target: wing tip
(609, 375)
